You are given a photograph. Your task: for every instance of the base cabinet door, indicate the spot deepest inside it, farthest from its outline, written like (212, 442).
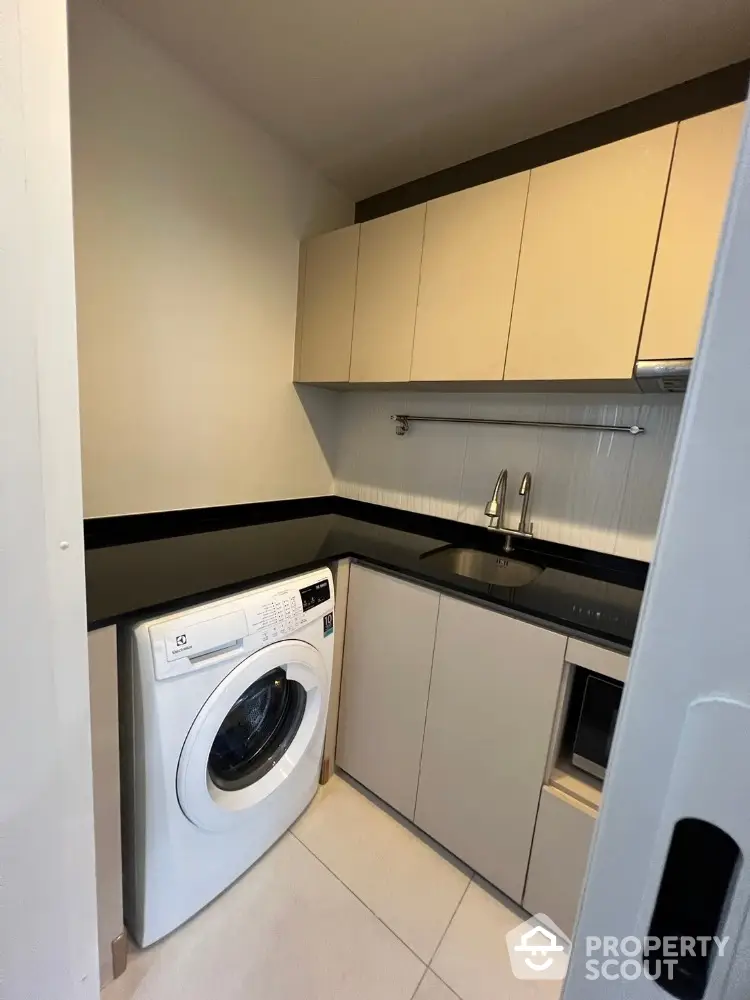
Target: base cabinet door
(105, 762)
(493, 694)
(390, 634)
(562, 841)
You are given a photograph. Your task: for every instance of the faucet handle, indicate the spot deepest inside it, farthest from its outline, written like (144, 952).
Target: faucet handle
(495, 506)
(524, 528)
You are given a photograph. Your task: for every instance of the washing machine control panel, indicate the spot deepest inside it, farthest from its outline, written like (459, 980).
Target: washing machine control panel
(224, 632)
(315, 594)
(279, 616)
(287, 610)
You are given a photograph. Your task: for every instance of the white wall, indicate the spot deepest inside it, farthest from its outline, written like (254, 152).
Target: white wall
(596, 491)
(187, 222)
(47, 892)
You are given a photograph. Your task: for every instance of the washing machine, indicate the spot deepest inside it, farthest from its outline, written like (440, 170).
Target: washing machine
(223, 716)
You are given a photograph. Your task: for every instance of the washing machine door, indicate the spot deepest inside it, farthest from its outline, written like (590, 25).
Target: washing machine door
(251, 733)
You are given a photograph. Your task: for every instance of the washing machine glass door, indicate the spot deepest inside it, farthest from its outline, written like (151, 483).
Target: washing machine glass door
(256, 733)
(263, 719)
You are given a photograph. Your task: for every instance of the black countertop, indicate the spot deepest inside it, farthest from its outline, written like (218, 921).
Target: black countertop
(580, 593)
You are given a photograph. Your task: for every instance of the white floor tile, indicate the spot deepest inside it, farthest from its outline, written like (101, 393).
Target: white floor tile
(432, 988)
(410, 886)
(288, 929)
(472, 958)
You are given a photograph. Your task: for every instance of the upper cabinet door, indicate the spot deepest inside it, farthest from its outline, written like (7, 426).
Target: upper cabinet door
(390, 253)
(586, 256)
(469, 265)
(704, 160)
(328, 276)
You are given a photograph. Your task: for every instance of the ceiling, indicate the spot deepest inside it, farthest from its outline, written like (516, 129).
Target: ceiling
(377, 93)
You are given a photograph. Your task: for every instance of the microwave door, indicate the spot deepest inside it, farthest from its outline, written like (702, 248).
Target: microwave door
(596, 725)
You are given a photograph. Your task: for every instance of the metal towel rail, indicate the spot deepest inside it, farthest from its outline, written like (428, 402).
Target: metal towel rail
(404, 420)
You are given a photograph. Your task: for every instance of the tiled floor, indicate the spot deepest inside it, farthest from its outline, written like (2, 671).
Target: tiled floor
(350, 905)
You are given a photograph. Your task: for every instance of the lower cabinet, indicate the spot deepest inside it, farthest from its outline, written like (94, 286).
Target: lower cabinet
(492, 702)
(447, 713)
(105, 762)
(559, 857)
(390, 635)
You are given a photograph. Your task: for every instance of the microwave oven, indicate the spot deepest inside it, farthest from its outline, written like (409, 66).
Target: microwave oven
(592, 739)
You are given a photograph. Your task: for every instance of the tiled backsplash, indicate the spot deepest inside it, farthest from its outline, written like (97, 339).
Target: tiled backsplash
(595, 490)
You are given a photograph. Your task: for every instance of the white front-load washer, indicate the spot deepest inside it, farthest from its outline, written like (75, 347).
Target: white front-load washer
(223, 715)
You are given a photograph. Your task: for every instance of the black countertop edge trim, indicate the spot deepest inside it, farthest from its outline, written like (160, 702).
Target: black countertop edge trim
(213, 593)
(124, 529)
(130, 528)
(598, 637)
(585, 562)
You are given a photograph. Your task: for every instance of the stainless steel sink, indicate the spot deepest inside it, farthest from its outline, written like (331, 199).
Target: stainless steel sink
(484, 566)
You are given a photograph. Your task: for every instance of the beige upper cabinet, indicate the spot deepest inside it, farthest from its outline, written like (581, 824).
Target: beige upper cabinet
(702, 171)
(587, 251)
(390, 254)
(469, 265)
(328, 274)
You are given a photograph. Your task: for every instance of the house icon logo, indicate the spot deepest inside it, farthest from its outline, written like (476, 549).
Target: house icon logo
(538, 949)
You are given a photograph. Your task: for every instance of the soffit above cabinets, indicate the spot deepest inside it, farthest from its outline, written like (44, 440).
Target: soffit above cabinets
(376, 94)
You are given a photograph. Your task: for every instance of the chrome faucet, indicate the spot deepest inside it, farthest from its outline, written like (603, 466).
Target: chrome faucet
(524, 530)
(525, 492)
(495, 508)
